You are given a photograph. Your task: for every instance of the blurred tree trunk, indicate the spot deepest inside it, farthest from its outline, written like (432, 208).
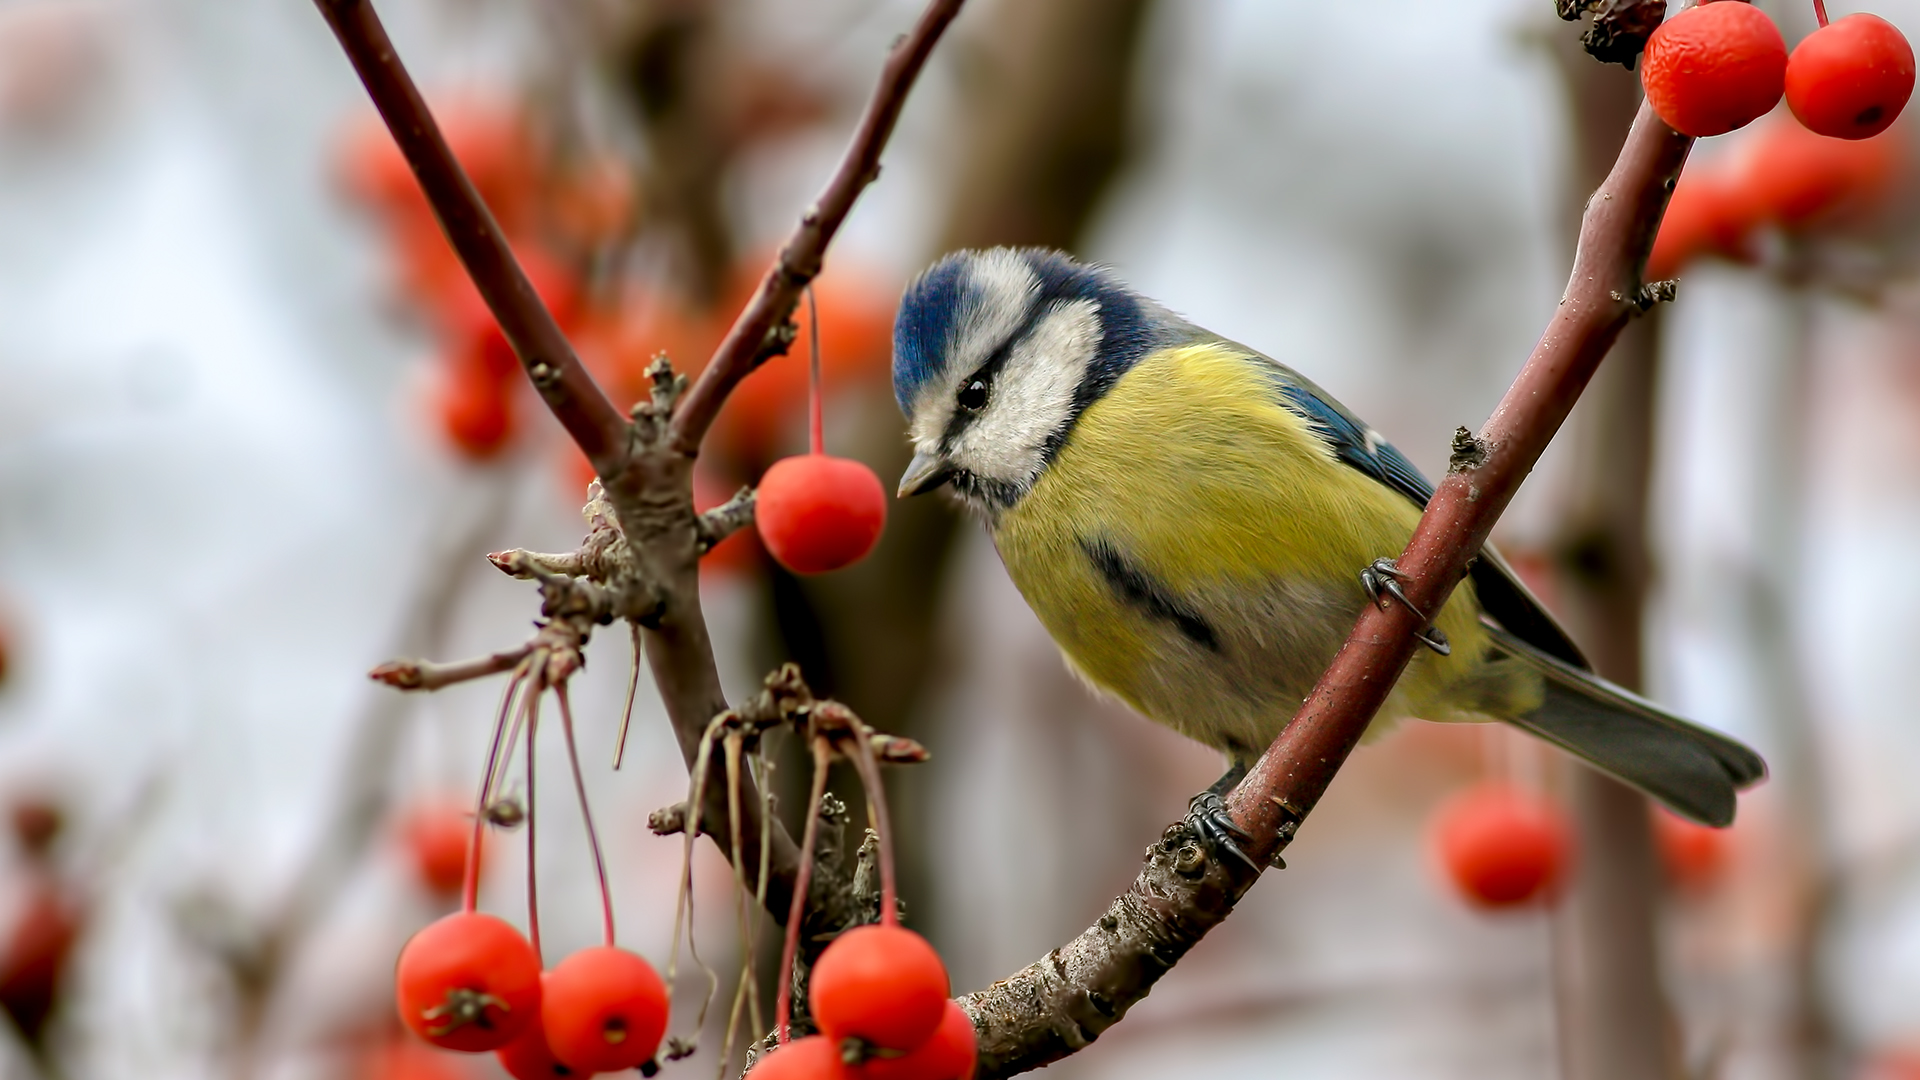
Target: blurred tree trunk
(1048, 90)
(671, 62)
(1614, 1017)
(1769, 613)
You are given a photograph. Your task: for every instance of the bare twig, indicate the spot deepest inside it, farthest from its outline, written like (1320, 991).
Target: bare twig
(427, 675)
(1063, 1002)
(724, 520)
(523, 564)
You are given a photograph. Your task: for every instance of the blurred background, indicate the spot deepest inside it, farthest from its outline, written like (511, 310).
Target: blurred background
(256, 433)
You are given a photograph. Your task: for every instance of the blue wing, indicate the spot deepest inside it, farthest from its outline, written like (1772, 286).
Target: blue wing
(1502, 595)
(1354, 443)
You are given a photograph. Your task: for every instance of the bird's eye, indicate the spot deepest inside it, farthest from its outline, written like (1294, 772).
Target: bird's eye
(973, 396)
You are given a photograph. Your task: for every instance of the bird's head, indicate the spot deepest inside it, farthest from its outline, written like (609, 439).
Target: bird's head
(995, 356)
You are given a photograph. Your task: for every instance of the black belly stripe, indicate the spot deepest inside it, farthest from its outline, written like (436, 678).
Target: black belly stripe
(1137, 587)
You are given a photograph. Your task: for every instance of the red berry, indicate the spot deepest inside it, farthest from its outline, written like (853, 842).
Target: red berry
(36, 824)
(604, 1009)
(1850, 78)
(1714, 68)
(468, 982)
(811, 1058)
(880, 983)
(1798, 178)
(437, 834)
(476, 412)
(1692, 855)
(818, 513)
(1710, 214)
(1899, 1063)
(948, 1055)
(33, 961)
(529, 1058)
(405, 1059)
(1501, 846)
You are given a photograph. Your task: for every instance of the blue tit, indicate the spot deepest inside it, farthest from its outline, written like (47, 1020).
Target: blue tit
(1198, 526)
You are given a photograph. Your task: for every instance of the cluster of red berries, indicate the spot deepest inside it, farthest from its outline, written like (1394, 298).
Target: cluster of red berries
(551, 215)
(1777, 175)
(879, 994)
(473, 983)
(1722, 65)
(1504, 847)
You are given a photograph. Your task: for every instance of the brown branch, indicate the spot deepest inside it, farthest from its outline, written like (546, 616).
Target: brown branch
(1063, 1002)
(644, 543)
(765, 327)
(569, 391)
(428, 675)
(726, 519)
(1603, 294)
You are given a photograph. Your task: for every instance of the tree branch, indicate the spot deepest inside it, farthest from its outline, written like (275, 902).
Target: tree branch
(563, 382)
(641, 554)
(1603, 294)
(1062, 1003)
(765, 327)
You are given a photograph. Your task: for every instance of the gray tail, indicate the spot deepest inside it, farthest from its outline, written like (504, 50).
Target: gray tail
(1694, 771)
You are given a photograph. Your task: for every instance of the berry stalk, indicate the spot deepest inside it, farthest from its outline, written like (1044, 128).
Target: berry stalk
(803, 875)
(586, 814)
(470, 880)
(869, 770)
(816, 428)
(533, 888)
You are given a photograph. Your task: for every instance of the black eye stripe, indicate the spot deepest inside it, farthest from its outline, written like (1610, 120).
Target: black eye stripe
(985, 373)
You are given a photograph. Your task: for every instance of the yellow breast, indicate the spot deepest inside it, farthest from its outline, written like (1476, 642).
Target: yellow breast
(1195, 550)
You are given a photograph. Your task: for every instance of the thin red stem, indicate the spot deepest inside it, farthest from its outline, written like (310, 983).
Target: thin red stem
(586, 813)
(802, 877)
(1820, 11)
(869, 770)
(816, 428)
(470, 878)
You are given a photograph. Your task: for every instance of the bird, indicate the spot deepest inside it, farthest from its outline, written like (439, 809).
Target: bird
(1198, 526)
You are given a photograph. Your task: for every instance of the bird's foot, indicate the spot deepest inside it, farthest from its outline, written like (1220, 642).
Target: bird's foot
(1381, 579)
(1207, 817)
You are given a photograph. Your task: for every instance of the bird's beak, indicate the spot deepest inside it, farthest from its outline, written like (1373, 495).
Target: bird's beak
(924, 473)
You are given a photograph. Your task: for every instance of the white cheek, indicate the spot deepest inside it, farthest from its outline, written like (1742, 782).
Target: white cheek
(929, 423)
(1033, 396)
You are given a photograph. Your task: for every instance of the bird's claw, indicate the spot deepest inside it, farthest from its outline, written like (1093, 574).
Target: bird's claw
(1434, 638)
(1381, 579)
(1207, 817)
